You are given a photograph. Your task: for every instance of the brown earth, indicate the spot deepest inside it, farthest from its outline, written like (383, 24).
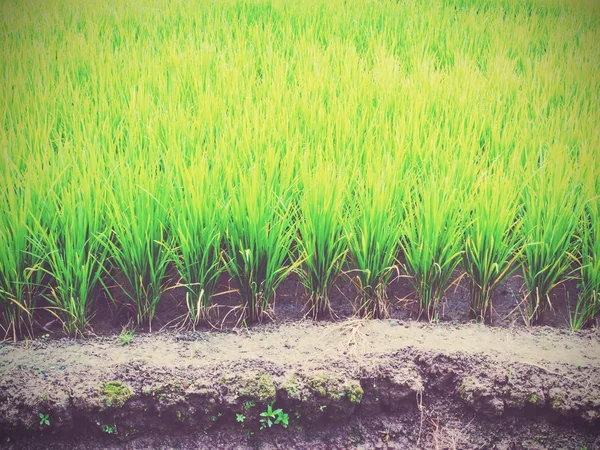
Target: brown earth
(109, 318)
(351, 384)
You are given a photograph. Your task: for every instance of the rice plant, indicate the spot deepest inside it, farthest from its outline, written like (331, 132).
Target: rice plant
(139, 246)
(321, 241)
(19, 274)
(259, 235)
(374, 232)
(69, 242)
(588, 302)
(552, 210)
(196, 225)
(431, 240)
(493, 242)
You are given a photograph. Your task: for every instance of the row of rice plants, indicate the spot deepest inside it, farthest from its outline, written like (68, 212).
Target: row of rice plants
(129, 233)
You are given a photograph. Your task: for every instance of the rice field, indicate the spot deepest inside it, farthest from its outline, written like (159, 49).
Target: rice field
(147, 144)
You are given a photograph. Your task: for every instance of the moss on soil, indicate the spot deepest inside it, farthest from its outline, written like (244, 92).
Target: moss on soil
(259, 387)
(354, 391)
(115, 394)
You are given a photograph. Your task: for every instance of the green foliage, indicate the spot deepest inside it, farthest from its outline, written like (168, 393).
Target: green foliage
(115, 394)
(19, 268)
(374, 232)
(140, 245)
(431, 239)
(272, 417)
(109, 429)
(69, 242)
(493, 242)
(44, 419)
(196, 223)
(552, 211)
(126, 335)
(588, 301)
(259, 234)
(144, 151)
(320, 240)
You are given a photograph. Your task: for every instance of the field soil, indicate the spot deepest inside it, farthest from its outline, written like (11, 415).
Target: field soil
(348, 384)
(508, 308)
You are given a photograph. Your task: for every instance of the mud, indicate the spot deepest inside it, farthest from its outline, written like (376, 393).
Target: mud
(353, 384)
(109, 317)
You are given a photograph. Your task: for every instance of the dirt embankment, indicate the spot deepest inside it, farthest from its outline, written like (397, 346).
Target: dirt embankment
(355, 384)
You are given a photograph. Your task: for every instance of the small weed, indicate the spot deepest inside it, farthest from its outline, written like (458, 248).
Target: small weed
(126, 335)
(322, 408)
(248, 405)
(44, 419)
(240, 418)
(270, 418)
(108, 429)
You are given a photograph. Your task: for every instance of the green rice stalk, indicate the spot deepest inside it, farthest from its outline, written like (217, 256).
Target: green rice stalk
(196, 226)
(552, 210)
(587, 306)
(375, 237)
(431, 240)
(19, 276)
(321, 242)
(140, 248)
(493, 243)
(70, 243)
(259, 235)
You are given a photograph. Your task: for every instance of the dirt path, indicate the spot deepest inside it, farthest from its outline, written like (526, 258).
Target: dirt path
(428, 386)
(311, 344)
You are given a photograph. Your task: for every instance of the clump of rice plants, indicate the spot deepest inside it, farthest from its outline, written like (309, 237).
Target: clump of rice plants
(588, 302)
(196, 224)
(69, 241)
(139, 247)
(552, 210)
(431, 239)
(321, 241)
(374, 237)
(493, 243)
(260, 231)
(19, 277)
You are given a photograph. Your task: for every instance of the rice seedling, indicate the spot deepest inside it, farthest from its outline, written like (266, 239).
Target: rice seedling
(69, 242)
(139, 246)
(552, 210)
(259, 235)
(196, 224)
(18, 274)
(374, 237)
(321, 241)
(431, 240)
(588, 302)
(493, 243)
